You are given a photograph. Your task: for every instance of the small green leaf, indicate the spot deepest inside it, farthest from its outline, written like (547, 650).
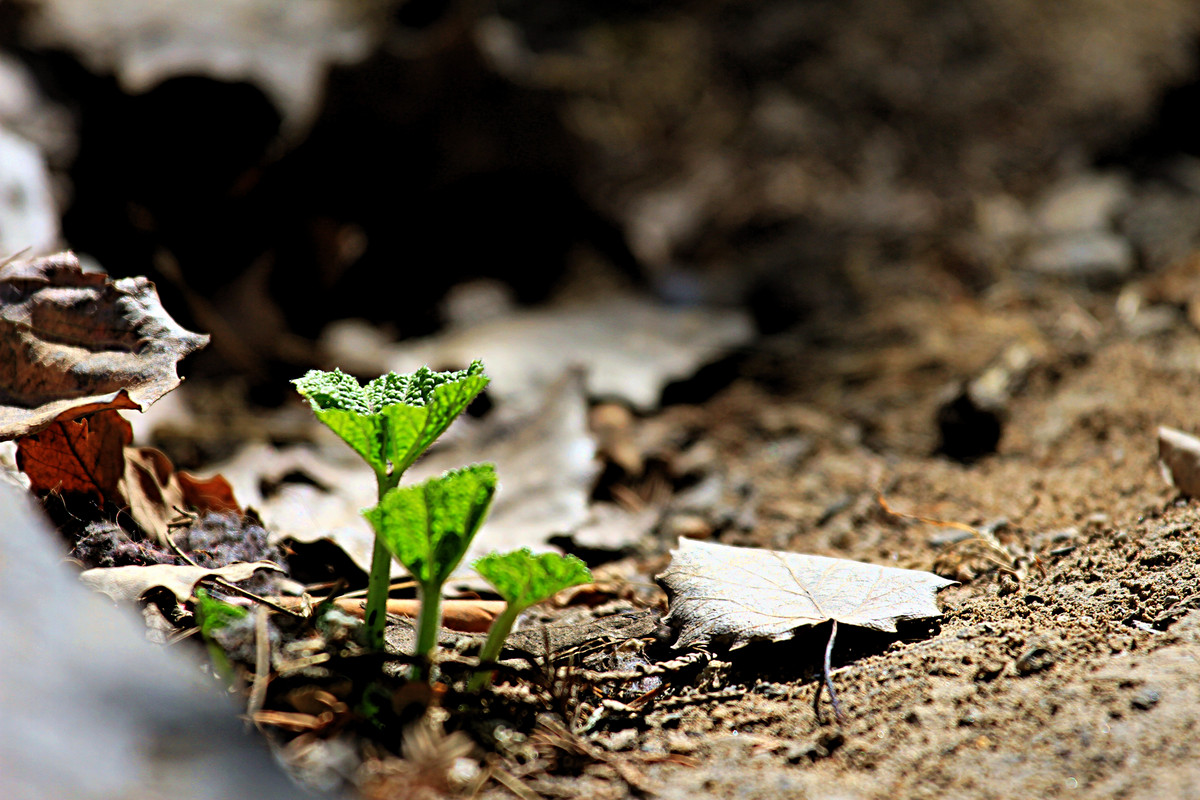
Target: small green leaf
(343, 405)
(333, 390)
(392, 420)
(213, 614)
(522, 578)
(432, 401)
(429, 526)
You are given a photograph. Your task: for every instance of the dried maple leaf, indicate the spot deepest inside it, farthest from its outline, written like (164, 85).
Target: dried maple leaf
(743, 594)
(77, 457)
(73, 342)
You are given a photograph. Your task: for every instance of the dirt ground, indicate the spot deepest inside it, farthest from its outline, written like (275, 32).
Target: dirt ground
(1072, 674)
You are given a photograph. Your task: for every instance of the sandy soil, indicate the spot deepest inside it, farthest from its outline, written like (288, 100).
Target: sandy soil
(1073, 675)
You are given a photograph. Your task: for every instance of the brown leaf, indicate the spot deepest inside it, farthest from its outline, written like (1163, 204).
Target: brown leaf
(91, 456)
(742, 594)
(130, 583)
(207, 494)
(72, 343)
(153, 490)
(84, 457)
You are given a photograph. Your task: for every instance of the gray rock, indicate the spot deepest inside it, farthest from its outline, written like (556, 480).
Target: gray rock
(1095, 257)
(93, 710)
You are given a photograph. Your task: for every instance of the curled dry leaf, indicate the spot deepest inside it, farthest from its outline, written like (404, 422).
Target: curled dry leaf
(630, 348)
(73, 342)
(130, 583)
(743, 594)
(152, 489)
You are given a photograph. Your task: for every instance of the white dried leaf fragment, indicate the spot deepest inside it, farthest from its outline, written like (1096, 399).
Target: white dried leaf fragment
(746, 594)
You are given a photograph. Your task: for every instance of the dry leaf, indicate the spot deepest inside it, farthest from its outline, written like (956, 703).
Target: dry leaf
(1179, 456)
(152, 490)
(285, 49)
(72, 343)
(130, 583)
(630, 348)
(92, 457)
(742, 594)
(77, 457)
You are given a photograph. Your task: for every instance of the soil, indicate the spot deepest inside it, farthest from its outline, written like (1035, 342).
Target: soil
(1069, 671)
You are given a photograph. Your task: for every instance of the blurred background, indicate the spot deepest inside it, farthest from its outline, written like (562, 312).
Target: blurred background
(280, 165)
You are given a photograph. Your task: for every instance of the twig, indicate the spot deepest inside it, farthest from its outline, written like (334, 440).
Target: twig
(398, 583)
(262, 664)
(179, 552)
(224, 584)
(514, 785)
(827, 682)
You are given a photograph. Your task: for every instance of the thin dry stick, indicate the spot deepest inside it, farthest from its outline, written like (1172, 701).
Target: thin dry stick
(262, 664)
(179, 552)
(986, 540)
(514, 785)
(396, 583)
(827, 682)
(224, 584)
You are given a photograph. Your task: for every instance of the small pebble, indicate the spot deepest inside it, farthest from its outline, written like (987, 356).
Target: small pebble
(1035, 659)
(1146, 699)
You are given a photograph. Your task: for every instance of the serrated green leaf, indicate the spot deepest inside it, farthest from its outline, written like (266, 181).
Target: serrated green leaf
(394, 418)
(414, 426)
(429, 526)
(339, 402)
(522, 578)
(333, 390)
(363, 434)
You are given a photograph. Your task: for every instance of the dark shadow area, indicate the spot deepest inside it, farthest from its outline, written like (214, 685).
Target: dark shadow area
(801, 658)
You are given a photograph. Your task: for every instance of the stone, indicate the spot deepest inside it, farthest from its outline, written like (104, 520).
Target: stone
(1093, 257)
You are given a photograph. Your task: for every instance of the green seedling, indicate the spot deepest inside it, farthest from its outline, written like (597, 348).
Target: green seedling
(390, 422)
(522, 579)
(428, 528)
(212, 615)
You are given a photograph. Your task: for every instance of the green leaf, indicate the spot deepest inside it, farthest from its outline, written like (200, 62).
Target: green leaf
(333, 391)
(394, 418)
(522, 578)
(213, 614)
(343, 405)
(433, 400)
(429, 526)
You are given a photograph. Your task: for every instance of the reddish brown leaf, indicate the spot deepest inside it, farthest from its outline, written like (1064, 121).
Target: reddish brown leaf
(92, 456)
(81, 457)
(72, 343)
(207, 494)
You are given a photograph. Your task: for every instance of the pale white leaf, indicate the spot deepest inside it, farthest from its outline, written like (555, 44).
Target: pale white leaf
(742, 594)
